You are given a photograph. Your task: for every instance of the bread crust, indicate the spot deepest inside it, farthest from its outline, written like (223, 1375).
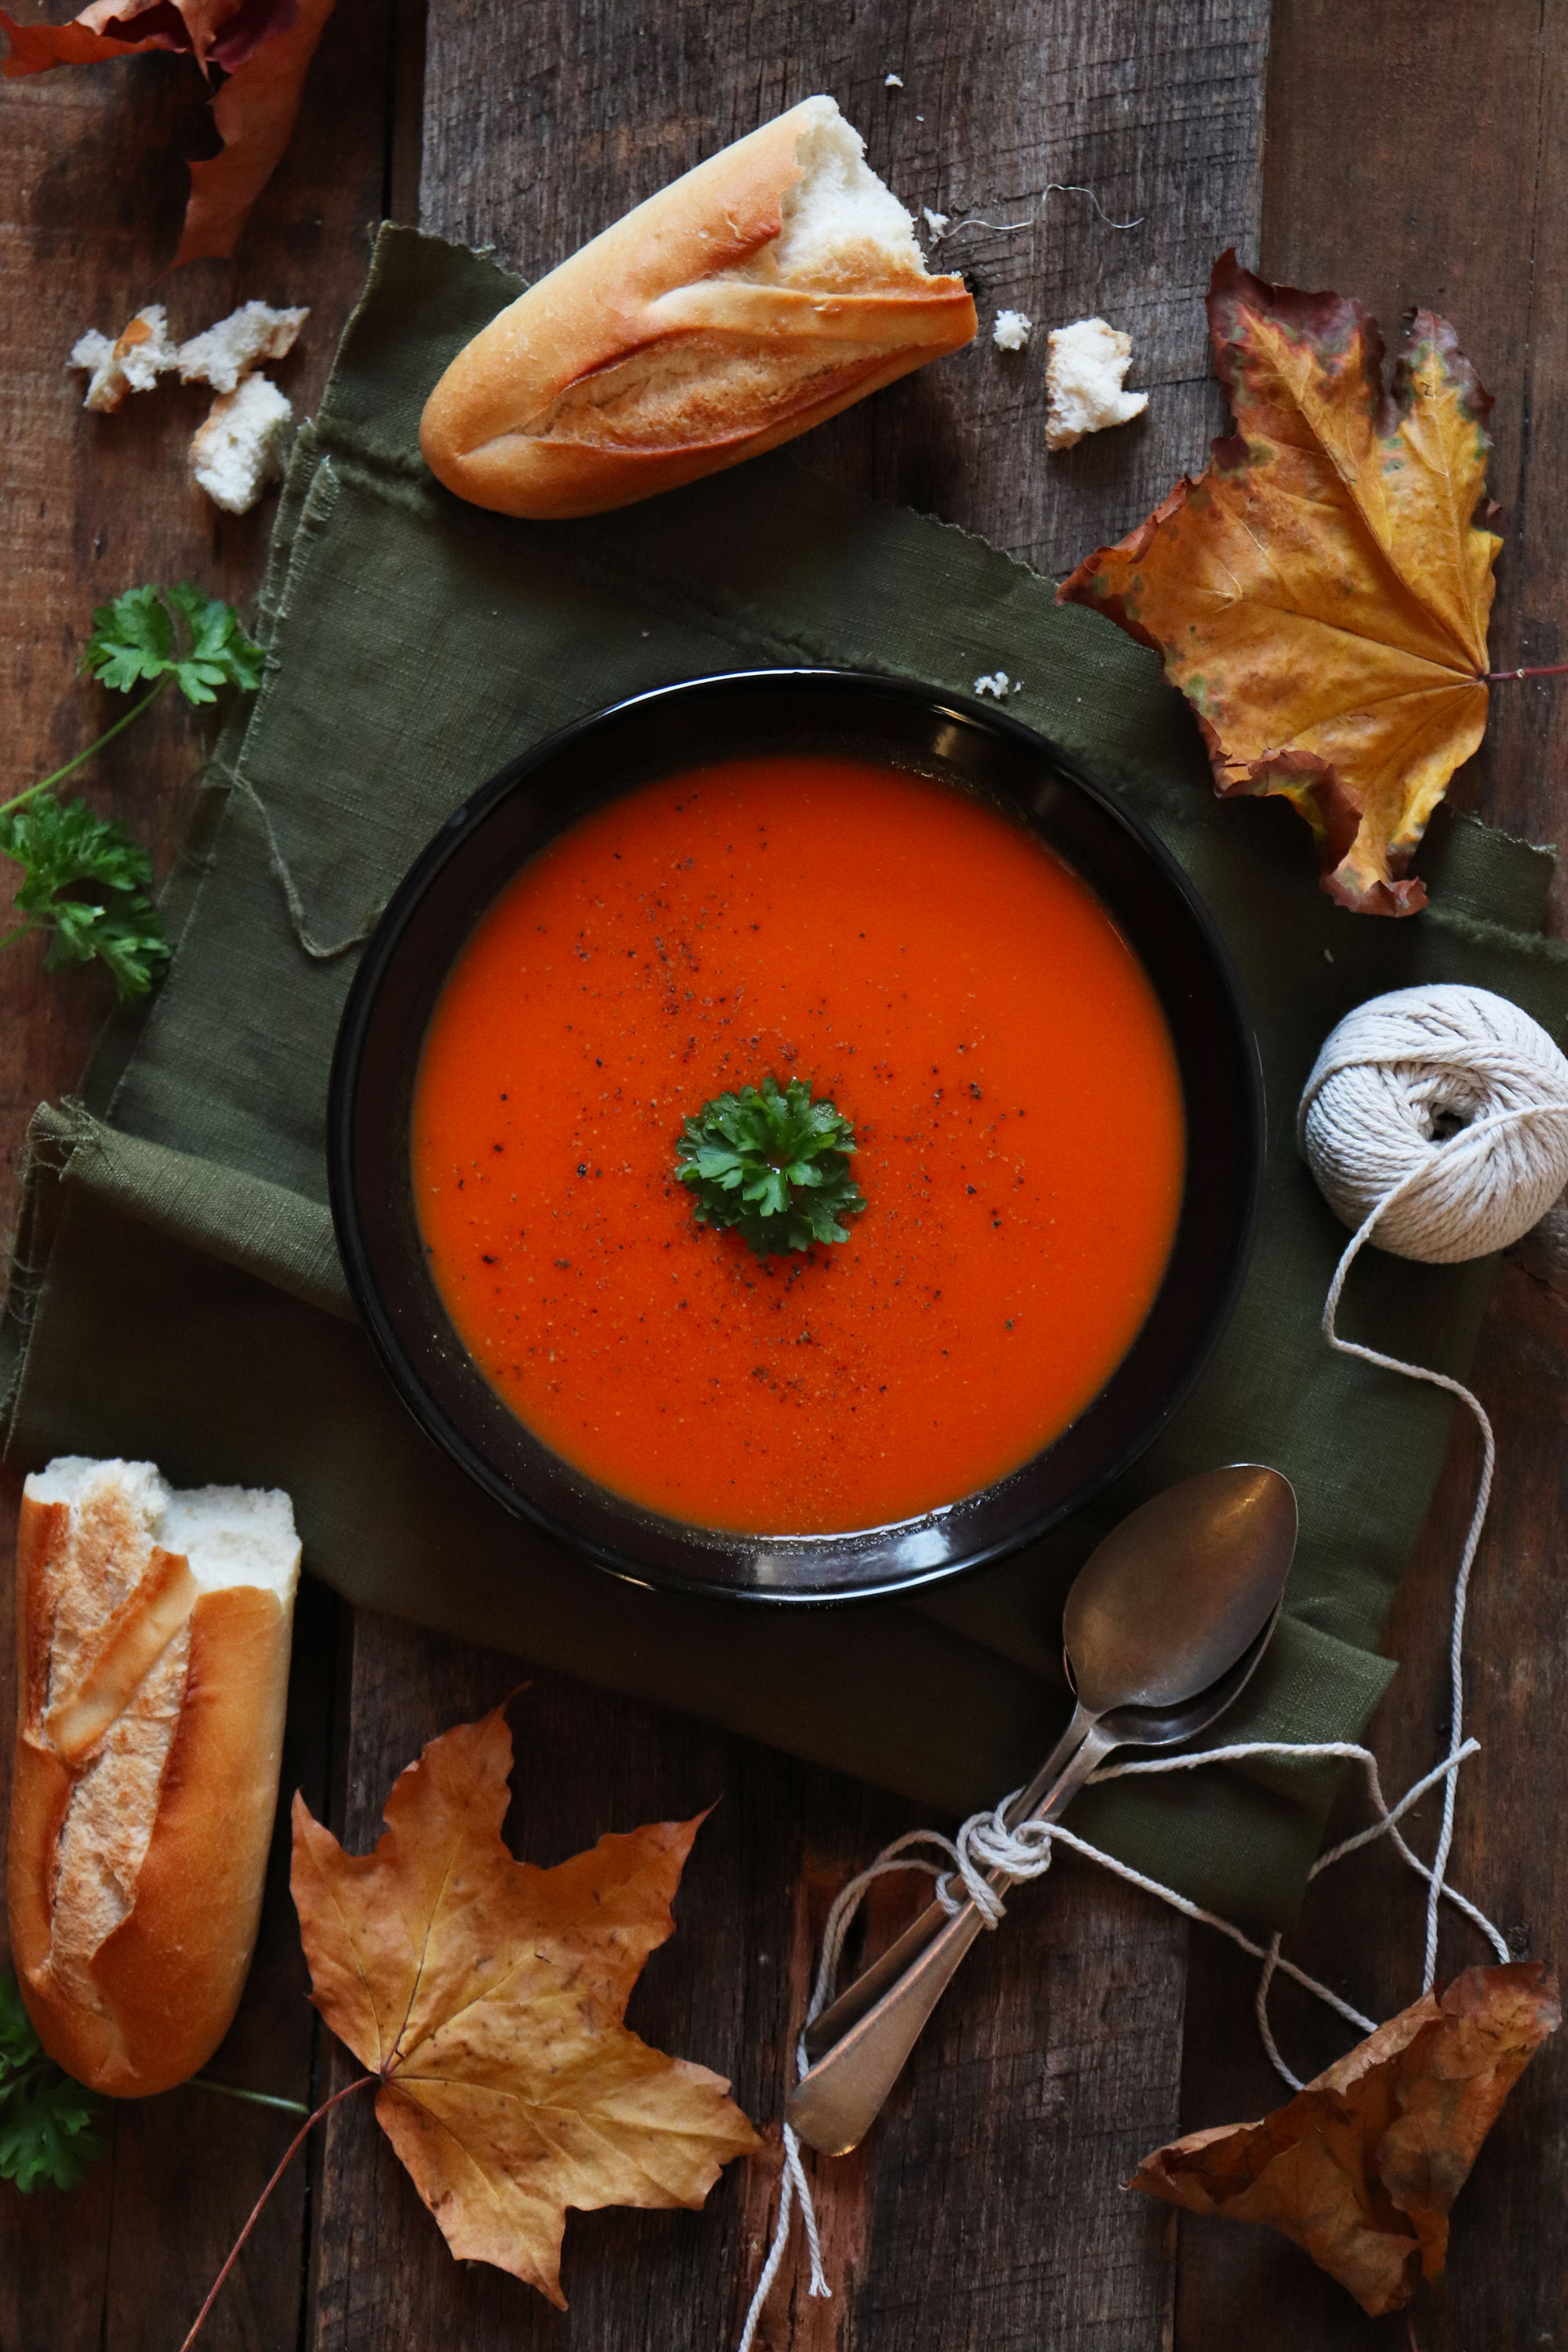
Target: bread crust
(524, 419)
(163, 1985)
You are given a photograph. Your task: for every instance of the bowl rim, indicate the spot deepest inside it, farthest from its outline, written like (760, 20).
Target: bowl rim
(630, 1563)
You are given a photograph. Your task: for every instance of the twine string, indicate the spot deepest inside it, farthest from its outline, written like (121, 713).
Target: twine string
(1010, 228)
(1456, 1018)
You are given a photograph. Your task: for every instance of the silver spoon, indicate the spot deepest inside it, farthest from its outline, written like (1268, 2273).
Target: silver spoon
(1163, 1627)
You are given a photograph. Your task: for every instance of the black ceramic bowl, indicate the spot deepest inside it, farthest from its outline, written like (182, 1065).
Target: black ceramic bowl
(978, 751)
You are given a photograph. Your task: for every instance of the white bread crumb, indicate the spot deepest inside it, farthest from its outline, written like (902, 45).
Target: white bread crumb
(892, 81)
(1084, 376)
(936, 223)
(1011, 330)
(224, 355)
(999, 684)
(834, 214)
(239, 450)
(230, 1534)
(139, 355)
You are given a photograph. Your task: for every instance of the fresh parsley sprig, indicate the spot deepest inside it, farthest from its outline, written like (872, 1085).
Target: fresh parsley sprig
(137, 637)
(46, 2119)
(772, 1166)
(85, 885)
(86, 880)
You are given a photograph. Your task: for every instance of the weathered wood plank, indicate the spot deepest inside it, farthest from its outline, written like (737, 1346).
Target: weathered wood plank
(1439, 133)
(1063, 2042)
(545, 124)
(1042, 2070)
(89, 213)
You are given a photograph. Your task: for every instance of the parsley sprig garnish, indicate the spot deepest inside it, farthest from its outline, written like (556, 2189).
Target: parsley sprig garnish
(772, 1166)
(46, 2119)
(86, 880)
(137, 637)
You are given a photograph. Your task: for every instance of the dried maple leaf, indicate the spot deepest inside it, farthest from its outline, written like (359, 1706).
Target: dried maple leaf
(264, 47)
(1362, 2165)
(255, 112)
(1321, 594)
(488, 1996)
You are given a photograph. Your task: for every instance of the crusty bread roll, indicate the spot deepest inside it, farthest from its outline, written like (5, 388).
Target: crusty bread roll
(767, 289)
(152, 1646)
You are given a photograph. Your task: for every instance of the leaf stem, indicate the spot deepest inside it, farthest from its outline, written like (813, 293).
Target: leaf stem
(82, 757)
(295, 2144)
(232, 2090)
(1503, 677)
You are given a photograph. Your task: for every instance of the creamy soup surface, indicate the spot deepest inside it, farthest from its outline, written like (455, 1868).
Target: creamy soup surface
(959, 994)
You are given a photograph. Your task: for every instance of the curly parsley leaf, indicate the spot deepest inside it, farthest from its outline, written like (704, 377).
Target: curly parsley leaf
(85, 884)
(220, 653)
(138, 637)
(772, 1166)
(131, 639)
(46, 2119)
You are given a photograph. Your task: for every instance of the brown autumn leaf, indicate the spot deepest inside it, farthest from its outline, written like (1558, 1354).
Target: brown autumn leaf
(1363, 2165)
(255, 112)
(1321, 596)
(216, 32)
(263, 46)
(488, 1996)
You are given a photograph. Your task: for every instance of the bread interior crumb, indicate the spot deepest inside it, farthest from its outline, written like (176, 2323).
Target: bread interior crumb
(119, 1511)
(839, 226)
(842, 231)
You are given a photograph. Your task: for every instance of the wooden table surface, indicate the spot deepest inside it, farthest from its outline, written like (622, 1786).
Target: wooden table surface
(1412, 151)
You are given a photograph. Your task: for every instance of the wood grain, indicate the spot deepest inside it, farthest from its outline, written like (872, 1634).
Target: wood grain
(1441, 133)
(1056, 2051)
(1062, 2042)
(90, 202)
(1415, 153)
(544, 125)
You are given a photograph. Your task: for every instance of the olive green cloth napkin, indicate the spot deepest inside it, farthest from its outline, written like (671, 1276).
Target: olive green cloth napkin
(176, 1294)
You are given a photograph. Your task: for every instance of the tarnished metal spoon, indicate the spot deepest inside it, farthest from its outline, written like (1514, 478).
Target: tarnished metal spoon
(1163, 1626)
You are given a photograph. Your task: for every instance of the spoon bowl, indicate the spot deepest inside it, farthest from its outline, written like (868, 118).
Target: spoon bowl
(1164, 1627)
(1140, 1726)
(1179, 1589)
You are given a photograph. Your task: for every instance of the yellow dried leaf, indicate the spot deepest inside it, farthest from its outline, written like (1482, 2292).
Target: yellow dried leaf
(1321, 594)
(488, 1996)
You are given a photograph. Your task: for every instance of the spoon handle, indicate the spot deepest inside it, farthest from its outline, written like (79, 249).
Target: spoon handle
(834, 2104)
(885, 1971)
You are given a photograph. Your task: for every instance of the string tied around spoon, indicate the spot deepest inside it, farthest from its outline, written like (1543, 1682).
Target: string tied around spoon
(1435, 1122)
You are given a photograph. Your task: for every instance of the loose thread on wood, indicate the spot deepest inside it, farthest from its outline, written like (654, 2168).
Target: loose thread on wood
(1009, 228)
(251, 2098)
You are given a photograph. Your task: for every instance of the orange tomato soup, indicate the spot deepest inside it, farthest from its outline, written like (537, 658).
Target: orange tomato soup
(959, 994)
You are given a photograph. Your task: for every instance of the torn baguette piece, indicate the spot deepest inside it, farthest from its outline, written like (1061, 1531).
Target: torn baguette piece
(134, 361)
(225, 354)
(1084, 376)
(765, 291)
(237, 448)
(152, 1643)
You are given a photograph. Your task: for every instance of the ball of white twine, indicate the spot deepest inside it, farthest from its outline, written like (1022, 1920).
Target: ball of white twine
(1435, 1122)
(1450, 1106)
